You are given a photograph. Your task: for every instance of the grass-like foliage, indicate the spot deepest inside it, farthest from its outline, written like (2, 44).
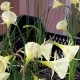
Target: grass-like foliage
(26, 53)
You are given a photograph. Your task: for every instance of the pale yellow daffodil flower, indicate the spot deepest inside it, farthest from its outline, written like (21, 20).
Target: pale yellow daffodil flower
(4, 61)
(9, 17)
(4, 75)
(56, 4)
(5, 6)
(45, 50)
(60, 66)
(74, 1)
(62, 25)
(68, 50)
(31, 51)
(34, 50)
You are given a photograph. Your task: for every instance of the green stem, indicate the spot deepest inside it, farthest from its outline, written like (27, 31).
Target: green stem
(21, 34)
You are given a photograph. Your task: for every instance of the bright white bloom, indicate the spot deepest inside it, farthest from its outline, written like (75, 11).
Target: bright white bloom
(9, 17)
(45, 50)
(31, 50)
(5, 6)
(3, 62)
(4, 75)
(62, 25)
(56, 4)
(68, 50)
(74, 1)
(60, 66)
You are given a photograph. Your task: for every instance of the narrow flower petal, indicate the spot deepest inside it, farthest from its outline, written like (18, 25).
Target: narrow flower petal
(57, 4)
(5, 6)
(60, 66)
(74, 1)
(68, 50)
(45, 50)
(62, 25)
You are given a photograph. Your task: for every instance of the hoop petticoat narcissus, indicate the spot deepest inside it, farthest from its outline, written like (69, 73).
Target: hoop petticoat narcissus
(56, 4)
(74, 1)
(5, 6)
(34, 50)
(45, 50)
(68, 50)
(4, 61)
(62, 25)
(60, 66)
(4, 75)
(9, 17)
(31, 51)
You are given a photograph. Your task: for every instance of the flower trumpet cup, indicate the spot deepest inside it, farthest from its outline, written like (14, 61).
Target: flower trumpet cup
(4, 76)
(31, 51)
(60, 66)
(56, 4)
(34, 50)
(68, 50)
(3, 62)
(62, 25)
(5, 6)
(45, 50)
(9, 17)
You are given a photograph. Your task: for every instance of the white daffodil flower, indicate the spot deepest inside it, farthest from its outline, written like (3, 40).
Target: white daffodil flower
(31, 50)
(68, 50)
(9, 17)
(4, 75)
(56, 4)
(45, 50)
(34, 50)
(74, 1)
(5, 6)
(60, 66)
(3, 62)
(62, 25)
